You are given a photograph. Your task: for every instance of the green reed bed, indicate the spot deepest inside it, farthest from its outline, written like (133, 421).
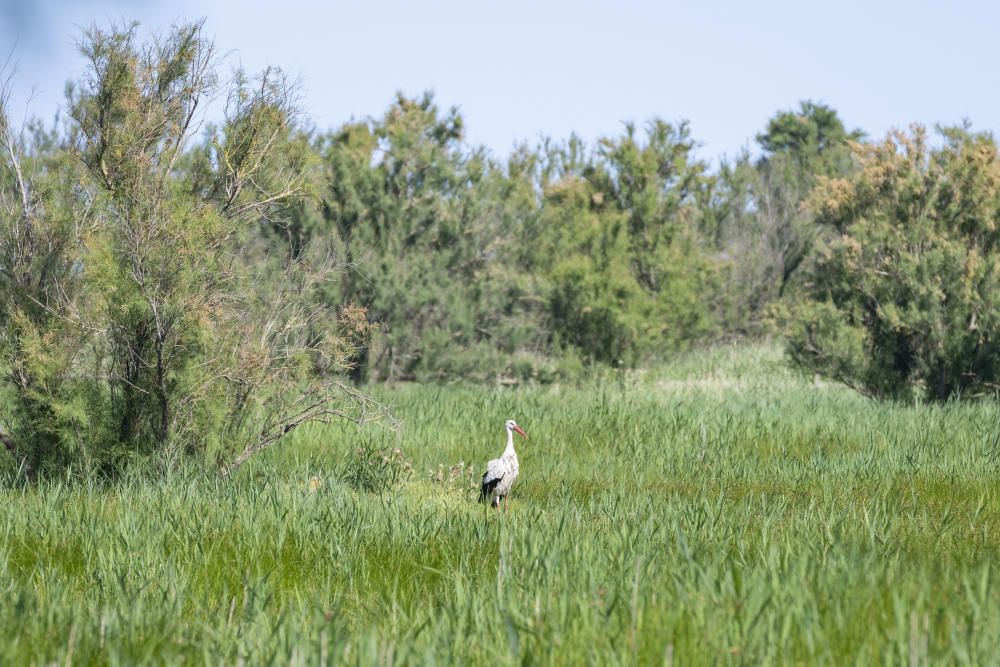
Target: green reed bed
(718, 511)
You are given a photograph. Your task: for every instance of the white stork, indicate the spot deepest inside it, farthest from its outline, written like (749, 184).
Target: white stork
(502, 472)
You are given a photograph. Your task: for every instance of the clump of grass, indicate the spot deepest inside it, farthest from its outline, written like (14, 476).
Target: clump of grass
(376, 469)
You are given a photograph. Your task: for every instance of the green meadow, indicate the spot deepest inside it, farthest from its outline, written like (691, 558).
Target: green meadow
(720, 510)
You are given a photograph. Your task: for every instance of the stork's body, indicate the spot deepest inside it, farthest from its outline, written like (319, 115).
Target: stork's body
(501, 473)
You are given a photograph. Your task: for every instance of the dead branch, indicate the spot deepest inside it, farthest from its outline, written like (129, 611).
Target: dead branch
(319, 411)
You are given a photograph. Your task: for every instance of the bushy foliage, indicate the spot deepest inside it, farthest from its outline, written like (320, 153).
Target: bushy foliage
(44, 219)
(429, 231)
(626, 278)
(137, 315)
(519, 270)
(904, 297)
(758, 214)
(813, 136)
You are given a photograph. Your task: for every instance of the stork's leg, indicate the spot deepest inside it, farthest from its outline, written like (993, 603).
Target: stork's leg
(505, 503)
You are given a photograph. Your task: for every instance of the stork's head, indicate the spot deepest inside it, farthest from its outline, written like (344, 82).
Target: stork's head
(512, 426)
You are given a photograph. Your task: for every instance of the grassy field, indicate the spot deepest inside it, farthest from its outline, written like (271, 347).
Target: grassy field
(719, 511)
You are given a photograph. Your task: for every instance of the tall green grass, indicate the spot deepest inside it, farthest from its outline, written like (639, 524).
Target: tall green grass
(719, 511)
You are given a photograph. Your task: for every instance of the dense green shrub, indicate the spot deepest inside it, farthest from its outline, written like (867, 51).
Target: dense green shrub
(756, 212)
(472, 266)
(429, 231)
(904, 296)
(627, 279)
(138, 314)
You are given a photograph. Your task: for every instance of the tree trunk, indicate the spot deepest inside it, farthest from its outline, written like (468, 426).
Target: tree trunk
(163, 431)
(8, 442)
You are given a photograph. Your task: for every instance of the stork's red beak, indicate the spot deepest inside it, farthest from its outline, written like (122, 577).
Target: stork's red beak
(520, 432)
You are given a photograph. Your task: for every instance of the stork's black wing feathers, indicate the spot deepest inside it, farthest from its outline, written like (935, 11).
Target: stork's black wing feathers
(489, 483)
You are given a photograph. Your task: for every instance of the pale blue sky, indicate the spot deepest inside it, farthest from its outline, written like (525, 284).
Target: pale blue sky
(519, 70)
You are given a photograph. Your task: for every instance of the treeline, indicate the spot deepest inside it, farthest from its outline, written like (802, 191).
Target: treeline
(876, 261)
(168, 289)
(561, 255)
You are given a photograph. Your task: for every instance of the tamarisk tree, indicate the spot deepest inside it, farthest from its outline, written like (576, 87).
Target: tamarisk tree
(183, 336)
(903, 299)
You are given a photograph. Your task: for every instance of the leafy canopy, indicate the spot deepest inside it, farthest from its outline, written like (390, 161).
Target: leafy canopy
(904, 297)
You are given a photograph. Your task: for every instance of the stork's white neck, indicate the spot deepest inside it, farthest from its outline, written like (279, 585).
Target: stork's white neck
(510, 443)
